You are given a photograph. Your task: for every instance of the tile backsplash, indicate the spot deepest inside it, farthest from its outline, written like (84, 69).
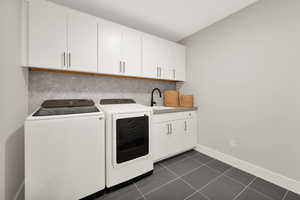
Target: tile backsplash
(51, 85)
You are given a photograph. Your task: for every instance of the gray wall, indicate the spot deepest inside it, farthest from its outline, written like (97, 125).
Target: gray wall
(244, 72)
(46, 85)
(13, 100)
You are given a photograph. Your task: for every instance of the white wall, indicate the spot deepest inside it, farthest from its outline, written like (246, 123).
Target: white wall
(13, 100)
(245, 74)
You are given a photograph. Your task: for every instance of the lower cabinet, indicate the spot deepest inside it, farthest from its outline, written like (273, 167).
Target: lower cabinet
(173, 133)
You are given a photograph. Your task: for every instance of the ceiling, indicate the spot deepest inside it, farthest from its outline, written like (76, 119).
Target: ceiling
(170, 19)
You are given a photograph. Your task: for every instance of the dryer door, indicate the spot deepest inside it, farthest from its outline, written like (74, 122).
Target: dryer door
(131, 137)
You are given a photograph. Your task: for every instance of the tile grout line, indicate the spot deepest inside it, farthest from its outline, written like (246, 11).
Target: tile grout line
(163, 166)
(188, 172)
(237, 180)
(195, 190)
(230, 167)
(222, 174)
(139, 191)
(173, 180)
(180, 177)
(193, 157)
(265, 195)
(205, 164)
(245, 188)
(157, 188)
(204, 195)
(187, 157)
(211, 181)
(285, 195)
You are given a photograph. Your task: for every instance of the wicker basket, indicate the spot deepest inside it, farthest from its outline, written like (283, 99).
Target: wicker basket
(186, 100)
(171, 98)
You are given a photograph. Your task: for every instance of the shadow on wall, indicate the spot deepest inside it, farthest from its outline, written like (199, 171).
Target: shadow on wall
(14, 160)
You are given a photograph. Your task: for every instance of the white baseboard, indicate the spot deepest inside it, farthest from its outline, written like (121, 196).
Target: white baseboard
(19, 192)
(260, 172)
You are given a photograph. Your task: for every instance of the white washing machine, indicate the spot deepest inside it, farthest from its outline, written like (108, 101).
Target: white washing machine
(128, 140)
(64, 151)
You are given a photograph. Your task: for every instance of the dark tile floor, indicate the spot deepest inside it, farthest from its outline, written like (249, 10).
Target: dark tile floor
(195, 176)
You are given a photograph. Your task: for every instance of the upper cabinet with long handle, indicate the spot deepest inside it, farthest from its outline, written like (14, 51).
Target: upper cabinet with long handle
(110, 38)
(163, 59)
(47, 35)
(65, 39)
(151, 57)
(120, 50)
(61, 38)
(82, 42)
(178, 62)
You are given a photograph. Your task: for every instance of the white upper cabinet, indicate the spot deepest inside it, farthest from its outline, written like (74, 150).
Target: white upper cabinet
(61, 38)
(163, 59)
(120, 50)
(66, 39)
(82, 42)
(131, 52)
(110, 48)
(151, 57)
(178, 62)
(47, 34)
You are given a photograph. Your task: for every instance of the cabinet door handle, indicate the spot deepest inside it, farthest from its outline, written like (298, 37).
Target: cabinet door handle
(70, 60)
(171, 128)
(157, 72)
(174, 73)
(185, 126)
(124, 64)
(120, 69)
(160, 72)
(64, 57)
(168, 129)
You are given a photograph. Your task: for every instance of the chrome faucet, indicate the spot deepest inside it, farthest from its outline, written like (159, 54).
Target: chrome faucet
(153, 102)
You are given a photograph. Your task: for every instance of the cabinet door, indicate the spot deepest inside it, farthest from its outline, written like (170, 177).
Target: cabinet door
(167, 73)
(162, 141)
(178, 62)
(178, 133)
(166, 59)
(110, 48)
(190, 133)
(150, 57)
(47, 35)
(82, 42)
(131, 51)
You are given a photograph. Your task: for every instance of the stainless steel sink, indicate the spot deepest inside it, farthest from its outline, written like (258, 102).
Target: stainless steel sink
(162, 107)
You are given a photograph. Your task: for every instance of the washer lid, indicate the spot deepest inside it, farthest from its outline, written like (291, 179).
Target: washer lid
(66, 107)
(62, 103)
(65, 111)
